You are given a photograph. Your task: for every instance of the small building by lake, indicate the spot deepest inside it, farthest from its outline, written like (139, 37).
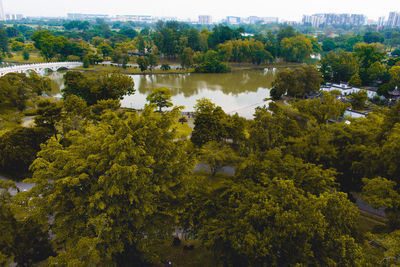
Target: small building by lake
(345, 89)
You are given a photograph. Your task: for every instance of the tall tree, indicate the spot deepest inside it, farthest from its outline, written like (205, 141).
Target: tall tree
(161, 97)
(117, 187)
(296, 49)
(95, 87)
(209, 123)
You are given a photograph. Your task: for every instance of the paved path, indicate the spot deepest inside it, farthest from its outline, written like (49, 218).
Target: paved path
(21, 186)
(364, 206)
(173, 67)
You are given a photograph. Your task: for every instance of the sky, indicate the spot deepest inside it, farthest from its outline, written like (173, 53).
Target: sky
(284, 9)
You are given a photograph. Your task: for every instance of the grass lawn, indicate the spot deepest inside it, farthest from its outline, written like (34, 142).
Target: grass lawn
(18, 59)
(178, 256)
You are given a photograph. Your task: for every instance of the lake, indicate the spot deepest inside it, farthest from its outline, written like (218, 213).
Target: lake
(238, 91)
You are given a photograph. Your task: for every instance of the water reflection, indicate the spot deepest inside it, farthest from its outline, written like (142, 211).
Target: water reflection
(239, 91)
(233, 83)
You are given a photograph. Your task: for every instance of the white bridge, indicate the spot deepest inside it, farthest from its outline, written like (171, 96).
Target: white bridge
(40, 68)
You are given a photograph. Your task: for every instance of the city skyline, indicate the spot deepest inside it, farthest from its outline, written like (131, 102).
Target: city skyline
(185, 9)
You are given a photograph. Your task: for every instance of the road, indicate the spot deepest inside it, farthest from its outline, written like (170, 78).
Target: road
(21, 186)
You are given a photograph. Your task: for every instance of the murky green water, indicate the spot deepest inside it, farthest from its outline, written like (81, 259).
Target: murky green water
(239, 91)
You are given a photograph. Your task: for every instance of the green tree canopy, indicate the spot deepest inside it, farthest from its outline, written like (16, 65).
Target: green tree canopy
(95, 87)
(116, 186)
(296, 49)
(161, 97)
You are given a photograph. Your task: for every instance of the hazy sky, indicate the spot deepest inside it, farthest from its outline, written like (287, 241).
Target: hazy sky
(284, 9)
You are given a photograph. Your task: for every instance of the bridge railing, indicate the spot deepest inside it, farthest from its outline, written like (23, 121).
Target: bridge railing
(69, 64)
(27, 66)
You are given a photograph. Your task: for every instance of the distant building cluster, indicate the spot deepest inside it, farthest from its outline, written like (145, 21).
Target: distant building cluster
(79, 16)
(14, 16)
(393, 20)
(134, 18)
(250, 20)
(205, 20)
(327, 19)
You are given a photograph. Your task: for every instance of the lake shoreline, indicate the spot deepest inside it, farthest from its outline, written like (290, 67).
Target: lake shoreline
(235, 68)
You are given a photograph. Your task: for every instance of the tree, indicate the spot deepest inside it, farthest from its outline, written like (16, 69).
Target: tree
(212, 64)
(165, 67)
(241, 218)
(112, 180)
(296, 82)
(395, 76)
(285, 32)
(152, 59)
(368, 54)
(25, 55)
(48, 44)
(104, 49)
(3, 40)
(285, 80)
(17, 46)
(143, 63)
(140, 44)
(209, 123)
(23, 240)
(194, 39)
(296, 49)
(75, 113)
(161, 97)
(355, 80)
(338, 66)
(328, 45)
(187, 57)
(19, 147)
(17, 89)
(95, 87)
(376, 71)
(86, 62)
(373, 37)
(322, 109)
(216, 156)
(128, 32)
(48, 114)
(358, 99)
(120, 55)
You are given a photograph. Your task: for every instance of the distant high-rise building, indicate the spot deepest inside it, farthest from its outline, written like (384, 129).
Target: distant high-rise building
(261, 20)
(394, 19)
(135, 18)
(205, 19)
(381, 21)
(2, 16)
(318, 20)
(79, 16)
(14, 16)
(232, 20)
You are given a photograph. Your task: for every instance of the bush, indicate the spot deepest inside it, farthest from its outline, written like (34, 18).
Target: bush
(176, 242)
(183, 119)
(19, 147)
(165, 67)
(73, 58)
(25, 55)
